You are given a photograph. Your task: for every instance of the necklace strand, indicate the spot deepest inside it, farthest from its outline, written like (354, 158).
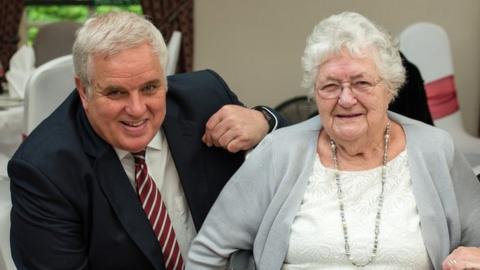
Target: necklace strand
(340, 197)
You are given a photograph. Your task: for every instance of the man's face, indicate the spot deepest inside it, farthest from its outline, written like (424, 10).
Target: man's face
(126, 102)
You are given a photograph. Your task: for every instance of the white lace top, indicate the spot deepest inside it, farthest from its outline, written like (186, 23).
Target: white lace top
(316, 238)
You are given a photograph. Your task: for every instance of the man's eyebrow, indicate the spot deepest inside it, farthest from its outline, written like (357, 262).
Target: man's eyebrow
(155, 81)
(122, 88)
(109, 88)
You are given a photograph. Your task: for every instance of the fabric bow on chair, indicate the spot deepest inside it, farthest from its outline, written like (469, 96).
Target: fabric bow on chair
(427, 46)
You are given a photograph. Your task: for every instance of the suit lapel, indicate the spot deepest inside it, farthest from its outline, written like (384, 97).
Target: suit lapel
(127, 207)
(183, 139)
(121, 196)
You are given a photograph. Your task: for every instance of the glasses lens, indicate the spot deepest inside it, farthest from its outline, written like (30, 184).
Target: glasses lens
(333, 90)
(329, 91)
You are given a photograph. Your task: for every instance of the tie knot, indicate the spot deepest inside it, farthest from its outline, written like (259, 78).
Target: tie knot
(139, 157)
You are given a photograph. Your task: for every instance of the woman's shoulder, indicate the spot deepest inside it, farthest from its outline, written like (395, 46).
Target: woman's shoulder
(289, 145)
(425, 137)
(309, 127)
(419, 130)
(294, 138)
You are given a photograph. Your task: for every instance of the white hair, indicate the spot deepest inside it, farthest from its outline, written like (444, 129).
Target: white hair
(111, 33)
(352, 32)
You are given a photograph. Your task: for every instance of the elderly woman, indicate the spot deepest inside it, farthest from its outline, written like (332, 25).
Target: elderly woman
(356, 186)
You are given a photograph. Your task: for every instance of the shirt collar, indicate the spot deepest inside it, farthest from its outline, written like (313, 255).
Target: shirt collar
(155, 143)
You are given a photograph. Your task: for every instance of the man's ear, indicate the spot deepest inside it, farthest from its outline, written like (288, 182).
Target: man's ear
(82, 92)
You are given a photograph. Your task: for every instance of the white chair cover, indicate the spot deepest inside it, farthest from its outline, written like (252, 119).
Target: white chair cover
(427, 46)
(48, 86)
(174, 45)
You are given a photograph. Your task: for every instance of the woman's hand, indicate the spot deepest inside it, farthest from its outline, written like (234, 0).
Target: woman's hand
(463, 258)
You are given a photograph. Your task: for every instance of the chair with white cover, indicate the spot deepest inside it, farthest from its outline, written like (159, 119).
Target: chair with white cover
(174, 45)
(46, 88)
(427, 46)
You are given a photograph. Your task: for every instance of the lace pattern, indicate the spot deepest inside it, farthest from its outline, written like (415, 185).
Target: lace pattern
(316, 238)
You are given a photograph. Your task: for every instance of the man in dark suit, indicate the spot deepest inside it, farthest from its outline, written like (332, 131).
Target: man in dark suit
(77, 181)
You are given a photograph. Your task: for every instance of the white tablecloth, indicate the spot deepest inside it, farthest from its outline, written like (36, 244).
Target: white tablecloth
(11, 128)
(6, 262)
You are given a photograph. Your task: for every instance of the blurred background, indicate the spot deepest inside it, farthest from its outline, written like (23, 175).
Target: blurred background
(256, 45)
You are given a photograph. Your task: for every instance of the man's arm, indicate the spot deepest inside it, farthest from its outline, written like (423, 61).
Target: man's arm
(237, 128)
(45, 230)
(231, 125)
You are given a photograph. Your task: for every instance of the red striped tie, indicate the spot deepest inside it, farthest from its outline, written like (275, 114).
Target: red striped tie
(156, 211)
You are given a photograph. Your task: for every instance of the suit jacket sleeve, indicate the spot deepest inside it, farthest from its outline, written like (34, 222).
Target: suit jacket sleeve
(42, 214)
(281, 121)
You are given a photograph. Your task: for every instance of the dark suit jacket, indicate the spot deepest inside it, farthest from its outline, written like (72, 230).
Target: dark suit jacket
(73, 205)
(412, 97)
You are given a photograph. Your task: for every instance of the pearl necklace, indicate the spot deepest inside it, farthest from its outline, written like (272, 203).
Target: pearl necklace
(340, 197)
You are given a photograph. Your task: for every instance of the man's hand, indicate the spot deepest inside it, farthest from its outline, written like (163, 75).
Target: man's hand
(463, 258)
(235, 128)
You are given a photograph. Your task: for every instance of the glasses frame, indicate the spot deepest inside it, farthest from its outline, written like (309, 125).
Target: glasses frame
(340, 86)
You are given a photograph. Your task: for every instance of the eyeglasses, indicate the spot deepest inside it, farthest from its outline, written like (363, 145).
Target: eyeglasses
(332, 89)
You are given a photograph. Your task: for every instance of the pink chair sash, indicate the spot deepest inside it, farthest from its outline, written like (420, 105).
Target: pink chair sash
(442, 97)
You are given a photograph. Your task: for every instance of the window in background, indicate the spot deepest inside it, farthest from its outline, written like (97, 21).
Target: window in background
(41, 12)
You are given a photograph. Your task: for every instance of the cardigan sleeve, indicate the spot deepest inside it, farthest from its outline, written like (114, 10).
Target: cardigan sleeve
(467, 193)
(234, 219)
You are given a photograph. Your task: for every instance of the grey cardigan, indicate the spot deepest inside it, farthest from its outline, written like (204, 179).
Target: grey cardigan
(258, 205)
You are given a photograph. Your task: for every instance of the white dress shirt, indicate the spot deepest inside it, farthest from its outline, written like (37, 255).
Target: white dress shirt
(163, 171)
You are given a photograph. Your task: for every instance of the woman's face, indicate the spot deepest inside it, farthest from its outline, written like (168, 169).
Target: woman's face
(360, 109)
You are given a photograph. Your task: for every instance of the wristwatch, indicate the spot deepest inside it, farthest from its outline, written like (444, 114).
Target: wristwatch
(269, 116)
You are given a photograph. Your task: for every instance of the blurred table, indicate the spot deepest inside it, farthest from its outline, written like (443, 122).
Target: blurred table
(6, 261)
(11, 128)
